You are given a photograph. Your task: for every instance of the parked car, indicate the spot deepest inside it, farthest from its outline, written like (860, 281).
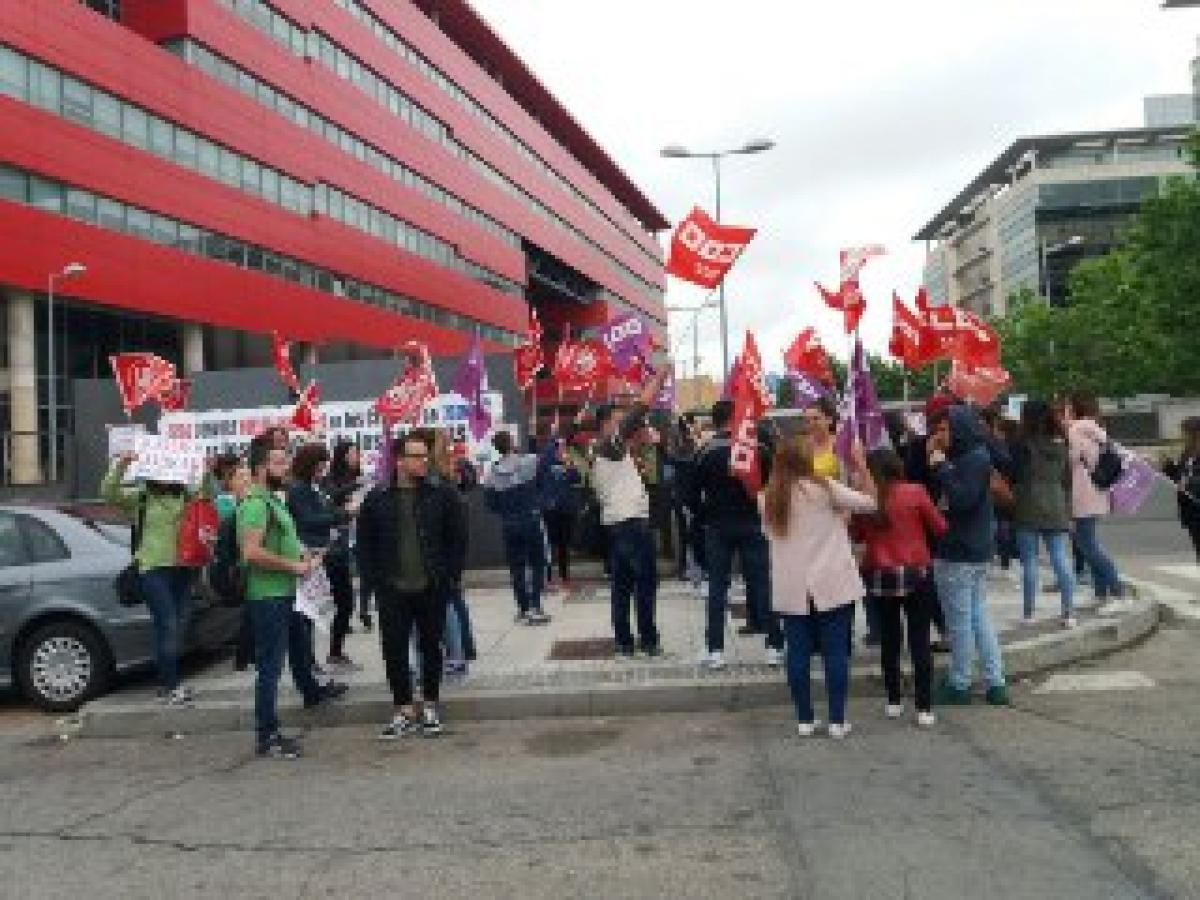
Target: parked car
(63, 634)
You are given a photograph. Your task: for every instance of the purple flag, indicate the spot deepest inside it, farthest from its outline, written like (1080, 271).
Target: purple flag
(808, 390)
(666, 395)
(1134, 486)
(627, 338)
(861, 414)
(469, 384)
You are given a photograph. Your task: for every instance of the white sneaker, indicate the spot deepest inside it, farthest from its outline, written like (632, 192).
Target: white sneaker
(926, 720)
(774, 657)
(808, 729)
(839, 732)
(714, 660)
(1070, 622)
(893, 710)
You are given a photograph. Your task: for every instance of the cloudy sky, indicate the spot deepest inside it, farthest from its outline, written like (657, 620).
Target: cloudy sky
(882, 111)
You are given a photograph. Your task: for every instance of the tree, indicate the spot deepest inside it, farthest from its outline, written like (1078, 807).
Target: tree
(785, 394)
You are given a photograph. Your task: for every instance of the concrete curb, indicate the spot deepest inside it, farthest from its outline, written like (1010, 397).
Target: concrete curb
(639, 691)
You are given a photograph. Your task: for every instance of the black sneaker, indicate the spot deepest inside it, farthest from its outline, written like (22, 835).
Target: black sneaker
(401, 726)
(279, 747)
(653, 652)
(624, 652)
(367, 624)
(326, 693)
(431, 725)
(750, 629)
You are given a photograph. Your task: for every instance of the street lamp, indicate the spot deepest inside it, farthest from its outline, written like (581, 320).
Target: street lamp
(1047, 250)
(678, 151)
(70, 270)
(695, 311)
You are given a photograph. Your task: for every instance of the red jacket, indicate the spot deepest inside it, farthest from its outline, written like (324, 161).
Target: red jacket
(904, 540)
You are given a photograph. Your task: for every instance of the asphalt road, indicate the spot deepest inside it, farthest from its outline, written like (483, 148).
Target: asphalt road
(1074, 793)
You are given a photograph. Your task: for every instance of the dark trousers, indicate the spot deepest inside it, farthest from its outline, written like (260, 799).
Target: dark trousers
(269, 619)
(398, 612)
(660, 517)
(458, 602)
(1194, 532)
(832, 629)
(916, 609)
(750, 544)
(558, 532)
(684, 535)
(168, 590)
(337, 567)
(525, 550)
(634, 576)
(301, 658)
(244, 654)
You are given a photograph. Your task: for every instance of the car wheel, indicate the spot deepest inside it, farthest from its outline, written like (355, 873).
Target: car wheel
(62, 664)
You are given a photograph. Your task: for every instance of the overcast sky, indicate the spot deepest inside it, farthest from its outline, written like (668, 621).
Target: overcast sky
(882, 111)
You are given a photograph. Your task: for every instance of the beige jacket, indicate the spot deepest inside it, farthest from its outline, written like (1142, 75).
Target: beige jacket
(1086, 438)
(814, 559)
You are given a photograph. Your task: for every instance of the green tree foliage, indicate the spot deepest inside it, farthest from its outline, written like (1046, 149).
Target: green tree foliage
(1132, 322)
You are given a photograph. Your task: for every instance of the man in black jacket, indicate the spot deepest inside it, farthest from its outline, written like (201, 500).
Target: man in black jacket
(411, 540)
(733, 525)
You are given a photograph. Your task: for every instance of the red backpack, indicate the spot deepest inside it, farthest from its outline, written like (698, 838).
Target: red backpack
(198, 528)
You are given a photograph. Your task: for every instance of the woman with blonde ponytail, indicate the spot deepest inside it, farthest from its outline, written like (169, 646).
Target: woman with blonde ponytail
(813, 574)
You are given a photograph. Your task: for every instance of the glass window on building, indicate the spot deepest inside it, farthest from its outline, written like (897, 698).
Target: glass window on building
(135, 127)
(110, 214)
(189, 238)
(77, 101)
(231, 168)
(139, 223)
(166, 231)
(47, 195)
(208, 158)
(81, 205)
(14, 74)
(106, 111)
(251, 176)
(14, 185)
(270, 185)
(162, 137)
(45, 87)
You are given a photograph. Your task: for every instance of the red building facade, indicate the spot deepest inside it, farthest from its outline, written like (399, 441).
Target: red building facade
(352, 173)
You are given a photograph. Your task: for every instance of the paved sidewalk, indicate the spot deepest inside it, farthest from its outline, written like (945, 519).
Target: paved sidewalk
(530, 670)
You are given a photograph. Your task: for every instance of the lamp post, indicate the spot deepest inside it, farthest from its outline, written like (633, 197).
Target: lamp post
(1047, 250)
(70, 270)
(695, 311)
(676, 151)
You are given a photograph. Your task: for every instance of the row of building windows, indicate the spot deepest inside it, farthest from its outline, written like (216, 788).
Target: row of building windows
(318, 46)
(55, 197)
(406, 51)
(32, 81)
(223, 70)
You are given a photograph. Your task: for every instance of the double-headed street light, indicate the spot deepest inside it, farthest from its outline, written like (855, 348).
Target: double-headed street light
(677, 151)
(70, 270)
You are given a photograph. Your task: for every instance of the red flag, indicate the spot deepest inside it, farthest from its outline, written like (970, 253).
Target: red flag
(581, 365)
(751, 399)
(849, 300)
(955, 333)
(854, 258)
(281, 352)
(908, 335)
(703, 252)
(980, 385)
(807, 355)
(177, 397)
(141, 377)
(528, 357)
(922, 302)
(307, 414)
(415, 387)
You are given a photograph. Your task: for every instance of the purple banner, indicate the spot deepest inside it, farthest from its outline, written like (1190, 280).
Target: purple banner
(1134, 487)
(627, 337)
(666, 396)
(807, 389)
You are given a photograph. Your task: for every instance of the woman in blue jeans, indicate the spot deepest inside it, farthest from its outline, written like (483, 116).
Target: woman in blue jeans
(1042, 510)
(1090, 503)
(815, 578)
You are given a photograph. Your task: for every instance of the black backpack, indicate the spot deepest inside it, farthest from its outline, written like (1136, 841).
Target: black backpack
(225, 573)
(1109, 466)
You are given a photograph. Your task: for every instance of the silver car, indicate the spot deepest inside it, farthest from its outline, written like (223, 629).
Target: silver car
(63, 634)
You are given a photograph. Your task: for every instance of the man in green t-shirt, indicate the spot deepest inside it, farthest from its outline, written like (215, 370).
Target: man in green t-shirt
(275, 560)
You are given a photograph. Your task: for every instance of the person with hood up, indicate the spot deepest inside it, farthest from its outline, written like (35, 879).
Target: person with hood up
(512, 491)
(960, 466)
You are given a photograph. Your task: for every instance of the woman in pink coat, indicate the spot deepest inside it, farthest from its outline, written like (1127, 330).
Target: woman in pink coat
(1089, 503)
(814, 578)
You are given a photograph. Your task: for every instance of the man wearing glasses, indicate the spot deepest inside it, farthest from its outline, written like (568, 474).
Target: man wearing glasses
(410, 541)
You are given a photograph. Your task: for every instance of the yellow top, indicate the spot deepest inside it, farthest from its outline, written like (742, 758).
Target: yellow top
(825, 462)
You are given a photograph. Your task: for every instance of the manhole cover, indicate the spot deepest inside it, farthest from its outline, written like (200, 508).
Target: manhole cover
(582, 648)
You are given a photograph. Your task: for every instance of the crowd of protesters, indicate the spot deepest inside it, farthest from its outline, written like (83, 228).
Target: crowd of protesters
(910, 530)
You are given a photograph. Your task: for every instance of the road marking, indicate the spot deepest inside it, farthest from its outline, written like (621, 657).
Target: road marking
(1064, 682)
(1188, 571)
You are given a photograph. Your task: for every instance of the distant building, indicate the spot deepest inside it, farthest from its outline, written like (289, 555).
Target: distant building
(1041, 206)
(1170, 110)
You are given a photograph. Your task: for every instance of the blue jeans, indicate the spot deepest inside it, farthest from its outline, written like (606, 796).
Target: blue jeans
(962, 590)
(832, 629)
(301, 659)
(1057, 544)
(168, 597)
(631, 559)
(269, 619)
(460, 642)
(749, 542)
(1105, 578)
(525, 550)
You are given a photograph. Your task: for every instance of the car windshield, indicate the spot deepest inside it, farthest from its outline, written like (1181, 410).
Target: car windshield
(107, 521)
